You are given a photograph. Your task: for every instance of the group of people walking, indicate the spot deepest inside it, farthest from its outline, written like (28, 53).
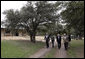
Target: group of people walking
(66, 39)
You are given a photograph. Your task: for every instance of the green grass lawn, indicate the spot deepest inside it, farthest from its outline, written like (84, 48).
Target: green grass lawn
(76, 49)
(24, 48)
(19, 48)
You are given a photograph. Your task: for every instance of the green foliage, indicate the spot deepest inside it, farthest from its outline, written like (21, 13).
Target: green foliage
(74, 16)
(31, 18)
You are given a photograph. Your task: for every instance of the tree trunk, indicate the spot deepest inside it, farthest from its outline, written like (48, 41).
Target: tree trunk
(32, 37)
(32, 33)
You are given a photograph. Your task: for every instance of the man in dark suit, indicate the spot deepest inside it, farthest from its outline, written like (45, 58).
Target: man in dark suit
(59, 40)
(52, 40)
(69, 39)
(47, 40)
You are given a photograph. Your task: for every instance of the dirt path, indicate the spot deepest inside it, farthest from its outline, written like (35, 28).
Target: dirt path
(41, 53)
(62, 53)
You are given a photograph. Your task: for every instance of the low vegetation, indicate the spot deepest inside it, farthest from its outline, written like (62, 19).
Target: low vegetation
(76, 49)
(19, 48)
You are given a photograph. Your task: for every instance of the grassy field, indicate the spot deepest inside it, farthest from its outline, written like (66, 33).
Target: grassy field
(76, 49)
(19, 48)
(24, 48)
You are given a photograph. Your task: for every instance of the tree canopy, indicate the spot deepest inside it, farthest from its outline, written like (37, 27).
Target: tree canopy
(43, 16)
(73, 15)
(32, 16)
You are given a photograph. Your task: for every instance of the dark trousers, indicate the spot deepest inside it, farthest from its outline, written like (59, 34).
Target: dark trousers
(66, 45)
(52, 42)
(59, 45)
(47, 43)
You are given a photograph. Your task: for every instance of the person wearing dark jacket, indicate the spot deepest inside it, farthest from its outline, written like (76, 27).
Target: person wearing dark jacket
(59, 40)
(69, 39)
(52, 40)
(47, 40)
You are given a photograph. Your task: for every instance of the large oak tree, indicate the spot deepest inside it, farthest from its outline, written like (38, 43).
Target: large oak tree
(32, 16)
